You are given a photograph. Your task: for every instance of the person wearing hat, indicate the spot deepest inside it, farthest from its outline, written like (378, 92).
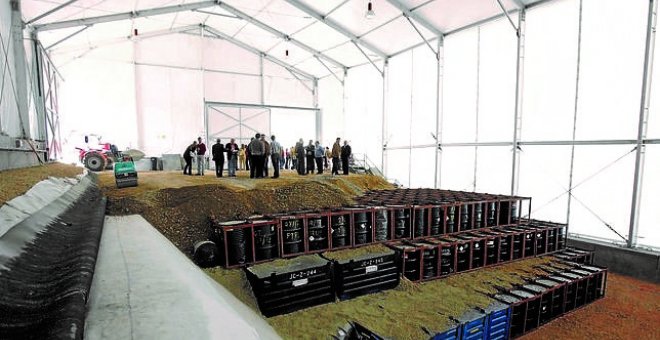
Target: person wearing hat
(218, 156)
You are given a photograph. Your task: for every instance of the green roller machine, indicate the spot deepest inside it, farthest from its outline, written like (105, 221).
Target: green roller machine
(125, 173)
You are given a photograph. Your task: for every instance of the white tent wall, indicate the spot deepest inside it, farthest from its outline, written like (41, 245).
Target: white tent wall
(97, 96)
(613, 43)
(478, 106)
(155, 94)
(363, 112)
(331, 100)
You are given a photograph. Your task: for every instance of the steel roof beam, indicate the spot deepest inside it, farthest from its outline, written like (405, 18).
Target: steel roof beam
(254, 50)
(280, 34)
(126, 15)
(410, 14)
(336, 26)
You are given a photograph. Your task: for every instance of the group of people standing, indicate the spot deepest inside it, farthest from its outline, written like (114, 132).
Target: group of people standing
(314, 153)
(255, 157)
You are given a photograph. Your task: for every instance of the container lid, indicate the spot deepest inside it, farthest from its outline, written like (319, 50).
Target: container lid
(232, 223)
(547, 283)
(591, 269)
(507, 298)
(522, 294)
(495, 306)
(534, 288)
(571, 275)
(471, 315)
(559, 278)
(283, 266)
(264, 222)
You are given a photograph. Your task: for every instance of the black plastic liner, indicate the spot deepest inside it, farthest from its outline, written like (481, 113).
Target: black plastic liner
(45, 288)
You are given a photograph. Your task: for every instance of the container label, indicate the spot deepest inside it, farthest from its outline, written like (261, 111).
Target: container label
(302, 274)
(301, 282)
(371, 269)
(372, 262)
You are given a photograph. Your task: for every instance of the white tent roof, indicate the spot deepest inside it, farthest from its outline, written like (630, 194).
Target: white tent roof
(335, 32)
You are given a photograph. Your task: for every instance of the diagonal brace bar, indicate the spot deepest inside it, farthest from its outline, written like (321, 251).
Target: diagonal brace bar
(366, 56)
(499, 2)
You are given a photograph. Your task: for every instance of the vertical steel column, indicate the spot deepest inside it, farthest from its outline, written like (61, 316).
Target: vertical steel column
(517, 119)
(384, 120)
(575, 112)
(440, 57)
(261, 78)
(643, 121)
(476, 125)
(319, 113)
(412, 92)
(202, 69)
(20, 68)
(37, 86)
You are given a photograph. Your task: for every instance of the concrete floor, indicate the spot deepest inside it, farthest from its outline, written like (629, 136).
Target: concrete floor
(144, 288)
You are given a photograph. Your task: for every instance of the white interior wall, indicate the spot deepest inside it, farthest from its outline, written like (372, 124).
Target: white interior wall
(156, 94)
(608, 108)
(363, 111)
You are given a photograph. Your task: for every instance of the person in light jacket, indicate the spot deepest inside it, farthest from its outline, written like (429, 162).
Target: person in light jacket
(319, 153)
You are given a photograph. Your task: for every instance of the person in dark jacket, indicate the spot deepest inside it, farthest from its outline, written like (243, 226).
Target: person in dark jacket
(345, 155)
(310, 150)
(232, 157)
(256, 148)
(218, 154)
(187, 157)
(300, 157)
(336, 152)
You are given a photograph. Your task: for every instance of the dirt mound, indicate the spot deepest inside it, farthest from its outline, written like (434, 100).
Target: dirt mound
(181, 212)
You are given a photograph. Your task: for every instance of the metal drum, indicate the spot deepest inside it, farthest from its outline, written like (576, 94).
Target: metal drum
(339, 231)
(292, 234)
(317, 234)
(401, 224)
(265, 242)
(381, 225)
(436, 220)
(361, 228)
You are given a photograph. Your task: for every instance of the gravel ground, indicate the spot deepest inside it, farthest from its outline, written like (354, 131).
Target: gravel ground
(16, 182)
(180, 206)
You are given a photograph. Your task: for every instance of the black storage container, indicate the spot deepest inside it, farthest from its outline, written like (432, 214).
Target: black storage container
(373, 271)
(285, 286)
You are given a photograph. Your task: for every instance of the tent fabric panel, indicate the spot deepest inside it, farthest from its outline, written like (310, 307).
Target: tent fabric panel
(352, 16)
(613, 41)
(311, 37)
(551, 55)
(448, 15)
(398, 35)
(223, 55)
(166, 50)
(232, 88)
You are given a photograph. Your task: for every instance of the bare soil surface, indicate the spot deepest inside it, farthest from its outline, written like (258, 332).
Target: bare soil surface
(16, 182)
(180, 206)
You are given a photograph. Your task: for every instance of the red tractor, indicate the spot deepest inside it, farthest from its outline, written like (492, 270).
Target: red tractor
(100, 158)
